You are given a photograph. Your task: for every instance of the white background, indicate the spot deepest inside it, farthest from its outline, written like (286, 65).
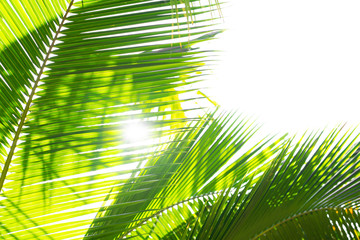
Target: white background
(293, 65)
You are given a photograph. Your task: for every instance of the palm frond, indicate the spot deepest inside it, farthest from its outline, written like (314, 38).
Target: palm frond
(26, 28)
(325, 223)
(193, 160)
(75, 74)
(310, 190)
(101, 66)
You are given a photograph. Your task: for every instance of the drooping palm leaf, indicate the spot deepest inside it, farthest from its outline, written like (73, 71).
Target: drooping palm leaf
(309, 191)
(307, 177)
(331, 223)
(184, 219)
(193, 160)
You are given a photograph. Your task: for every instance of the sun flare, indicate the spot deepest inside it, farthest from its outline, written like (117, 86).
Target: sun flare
(136, 131)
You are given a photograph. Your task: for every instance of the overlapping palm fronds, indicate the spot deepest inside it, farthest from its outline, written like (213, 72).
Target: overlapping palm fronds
(74, 75)
(308, 191)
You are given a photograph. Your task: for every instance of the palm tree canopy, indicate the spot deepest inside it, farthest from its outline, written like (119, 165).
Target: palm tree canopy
(76, 74)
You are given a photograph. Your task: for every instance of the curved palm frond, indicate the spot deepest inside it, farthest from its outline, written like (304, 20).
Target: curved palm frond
(75, 74)
(194, 159)
(326, 223)
(309, 191)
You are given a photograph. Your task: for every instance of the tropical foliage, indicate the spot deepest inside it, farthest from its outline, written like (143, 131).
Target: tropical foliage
(75, 75)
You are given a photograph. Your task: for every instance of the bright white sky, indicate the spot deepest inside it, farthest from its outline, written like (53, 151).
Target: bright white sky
(293, 65)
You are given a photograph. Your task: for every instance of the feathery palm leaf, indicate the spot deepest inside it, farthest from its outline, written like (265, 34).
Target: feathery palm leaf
(310, 191)
(193, 161)
(71, 55)
(74, 75)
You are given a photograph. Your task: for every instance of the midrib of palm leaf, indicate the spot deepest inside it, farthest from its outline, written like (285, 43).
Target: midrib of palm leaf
(26, 30)
(202, 151)
(291, 196)
(34, 86)
(38, 162)
(294, 219)
(30, 99)
(272, 211)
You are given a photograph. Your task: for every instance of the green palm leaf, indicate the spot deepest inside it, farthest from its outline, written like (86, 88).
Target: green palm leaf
(310, 191)
(74, 75)
(24, 38)
(331, 223)
(194, 159)
(81, 72)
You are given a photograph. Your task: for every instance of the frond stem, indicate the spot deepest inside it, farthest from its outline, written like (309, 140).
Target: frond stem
(293, 217)
(164, 209)
(28, 103)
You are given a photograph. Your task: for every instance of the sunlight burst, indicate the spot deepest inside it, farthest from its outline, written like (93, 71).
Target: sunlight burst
(136, 131)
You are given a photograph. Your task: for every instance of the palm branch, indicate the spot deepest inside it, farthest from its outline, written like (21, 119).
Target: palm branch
(75, 74)
(309, 190)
